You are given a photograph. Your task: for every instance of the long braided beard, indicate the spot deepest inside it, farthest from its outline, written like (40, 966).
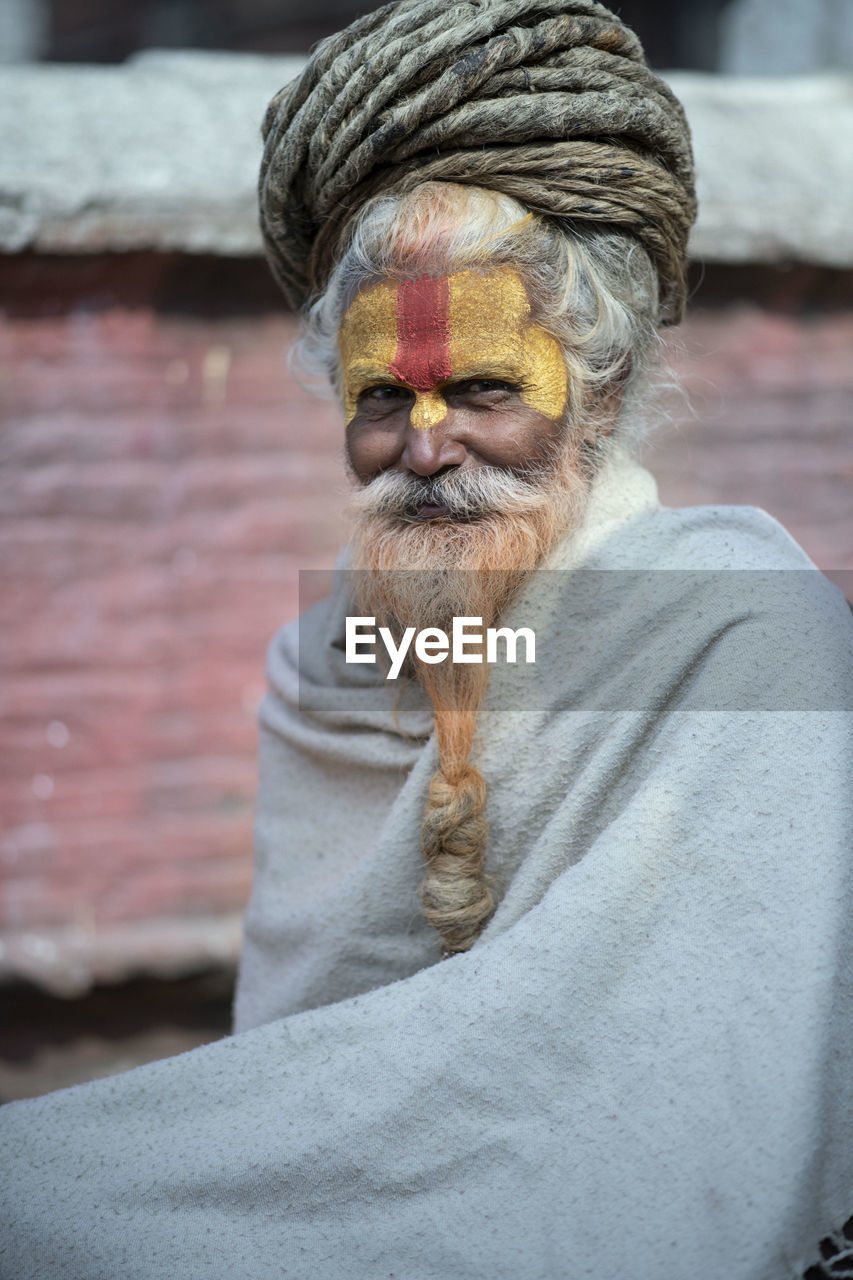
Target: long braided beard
(424, 573)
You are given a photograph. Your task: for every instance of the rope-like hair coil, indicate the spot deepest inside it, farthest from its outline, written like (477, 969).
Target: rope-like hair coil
(548, 102)
(455, 895)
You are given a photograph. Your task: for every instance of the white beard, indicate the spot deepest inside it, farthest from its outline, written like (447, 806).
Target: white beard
(423, 573)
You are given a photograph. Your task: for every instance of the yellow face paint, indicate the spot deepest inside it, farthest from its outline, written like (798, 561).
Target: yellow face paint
(427, 333)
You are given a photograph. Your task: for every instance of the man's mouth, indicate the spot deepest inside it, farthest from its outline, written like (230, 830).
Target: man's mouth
(431, 511)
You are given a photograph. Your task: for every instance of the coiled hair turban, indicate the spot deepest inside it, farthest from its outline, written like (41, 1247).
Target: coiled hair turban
(549, 101)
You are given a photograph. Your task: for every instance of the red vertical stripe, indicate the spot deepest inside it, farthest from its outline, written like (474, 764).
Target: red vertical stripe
(422, 359)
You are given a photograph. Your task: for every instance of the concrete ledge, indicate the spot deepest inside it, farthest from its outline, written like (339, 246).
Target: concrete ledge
(69, 961)
(162, 153)
(774, 162)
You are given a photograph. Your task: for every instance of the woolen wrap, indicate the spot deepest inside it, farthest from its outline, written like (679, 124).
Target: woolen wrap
(642, 1068)
(549, 102)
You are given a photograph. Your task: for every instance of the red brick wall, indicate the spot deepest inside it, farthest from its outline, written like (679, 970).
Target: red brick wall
(767, 366)
(163, 481)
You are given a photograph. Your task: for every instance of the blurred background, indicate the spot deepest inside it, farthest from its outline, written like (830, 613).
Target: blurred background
(164, 478)
(762, 37)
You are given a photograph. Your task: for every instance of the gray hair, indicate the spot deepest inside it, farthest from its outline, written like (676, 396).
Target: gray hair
(595, 290)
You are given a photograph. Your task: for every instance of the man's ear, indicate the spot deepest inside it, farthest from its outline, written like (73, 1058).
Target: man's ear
(604, 408)
(609, 399)
(608, 406)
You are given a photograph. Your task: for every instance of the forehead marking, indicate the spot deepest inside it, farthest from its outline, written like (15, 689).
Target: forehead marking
(427, 331)
(422, 358)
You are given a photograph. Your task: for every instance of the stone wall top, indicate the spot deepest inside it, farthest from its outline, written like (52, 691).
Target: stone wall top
(162, 153)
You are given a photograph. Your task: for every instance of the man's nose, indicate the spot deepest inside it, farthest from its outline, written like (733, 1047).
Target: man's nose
(427, 450)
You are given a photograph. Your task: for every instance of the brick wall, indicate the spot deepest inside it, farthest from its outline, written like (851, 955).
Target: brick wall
(163, 481)
(765, 360)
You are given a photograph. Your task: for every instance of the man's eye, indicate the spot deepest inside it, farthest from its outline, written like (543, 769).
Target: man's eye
(384, 393)
(485, 386)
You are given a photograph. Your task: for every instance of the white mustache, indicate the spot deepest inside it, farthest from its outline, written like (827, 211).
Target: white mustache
(467, 494)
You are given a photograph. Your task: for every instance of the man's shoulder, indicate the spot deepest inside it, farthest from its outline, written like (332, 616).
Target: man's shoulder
(707, 538)
(728, 590)
(299, 647)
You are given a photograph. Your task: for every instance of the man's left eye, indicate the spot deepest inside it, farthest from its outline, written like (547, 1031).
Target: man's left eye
(478, 386)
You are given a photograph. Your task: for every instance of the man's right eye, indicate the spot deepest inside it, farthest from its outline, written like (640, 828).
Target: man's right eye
(385, 394)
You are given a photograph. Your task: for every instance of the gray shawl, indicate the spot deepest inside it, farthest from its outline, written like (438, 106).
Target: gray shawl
(642, 1068)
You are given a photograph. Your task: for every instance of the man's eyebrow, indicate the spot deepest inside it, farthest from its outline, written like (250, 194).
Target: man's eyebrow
(494, 369)
(370, 371)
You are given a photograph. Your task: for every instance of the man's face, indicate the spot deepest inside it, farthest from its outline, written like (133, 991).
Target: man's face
(445, 373)
(458, 431)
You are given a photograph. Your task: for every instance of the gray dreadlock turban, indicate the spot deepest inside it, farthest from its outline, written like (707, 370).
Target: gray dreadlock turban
(550, 102)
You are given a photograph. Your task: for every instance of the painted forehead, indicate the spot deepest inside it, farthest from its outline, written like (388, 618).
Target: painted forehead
(426, 332)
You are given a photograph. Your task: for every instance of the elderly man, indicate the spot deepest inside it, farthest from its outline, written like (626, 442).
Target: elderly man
(547, 963)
